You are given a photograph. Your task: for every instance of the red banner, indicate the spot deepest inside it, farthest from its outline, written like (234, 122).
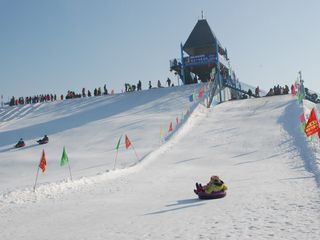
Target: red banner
(312, 126)
(43, 162)
(128, 142)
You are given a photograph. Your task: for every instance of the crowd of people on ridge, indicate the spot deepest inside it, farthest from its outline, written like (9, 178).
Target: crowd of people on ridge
(278, 90)
(84, 93)
(138, 87)
(34, 99)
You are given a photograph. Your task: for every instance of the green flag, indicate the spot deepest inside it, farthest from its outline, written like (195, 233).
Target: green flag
(300, 97)
(194, 95)
(118, 144)
(303, 127)
(64, 158)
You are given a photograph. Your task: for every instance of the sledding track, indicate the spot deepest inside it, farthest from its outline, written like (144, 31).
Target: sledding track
(247, 143)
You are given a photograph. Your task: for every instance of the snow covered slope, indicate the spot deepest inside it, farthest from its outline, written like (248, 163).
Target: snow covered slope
(89, 128)
(254, 145)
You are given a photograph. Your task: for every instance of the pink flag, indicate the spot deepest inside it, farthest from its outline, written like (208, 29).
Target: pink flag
(293, 90)
(201, 92)
(302, 118)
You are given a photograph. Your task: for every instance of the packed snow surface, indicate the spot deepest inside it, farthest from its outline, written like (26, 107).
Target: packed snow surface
(254, 145)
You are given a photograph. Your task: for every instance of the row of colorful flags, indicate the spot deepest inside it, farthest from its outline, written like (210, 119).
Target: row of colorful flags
(311, 126)
(197, 95)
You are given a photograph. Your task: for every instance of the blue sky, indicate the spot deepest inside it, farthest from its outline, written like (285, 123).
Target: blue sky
(55, 46)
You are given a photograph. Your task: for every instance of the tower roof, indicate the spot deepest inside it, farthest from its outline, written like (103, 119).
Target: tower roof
(201, 40)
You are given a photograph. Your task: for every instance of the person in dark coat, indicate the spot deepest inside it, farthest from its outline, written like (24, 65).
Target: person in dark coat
(169, 82)
(20, 143)
(139, 86)
(44, 140)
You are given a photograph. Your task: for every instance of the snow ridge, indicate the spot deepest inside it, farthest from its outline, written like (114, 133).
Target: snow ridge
(55, 190)
(307, 151)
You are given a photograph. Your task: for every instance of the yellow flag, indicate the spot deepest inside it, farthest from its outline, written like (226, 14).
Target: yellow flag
(161, 132)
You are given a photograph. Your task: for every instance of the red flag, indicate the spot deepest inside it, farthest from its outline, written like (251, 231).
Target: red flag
(128, 143)
(170, 127)
(312, 125)
(319, 132)
(43, 162)
(201, 92)
(177, 120)
(302, 118)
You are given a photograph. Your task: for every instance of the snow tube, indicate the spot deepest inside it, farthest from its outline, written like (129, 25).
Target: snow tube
(19, 145)
(42, 141)
(214, 195)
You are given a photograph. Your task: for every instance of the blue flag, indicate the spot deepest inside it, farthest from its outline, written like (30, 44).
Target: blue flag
(191, 98)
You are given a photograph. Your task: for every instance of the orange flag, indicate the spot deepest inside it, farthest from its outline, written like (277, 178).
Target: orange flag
(43, 162)
(128, 143)
(170, 127)
(312, 126)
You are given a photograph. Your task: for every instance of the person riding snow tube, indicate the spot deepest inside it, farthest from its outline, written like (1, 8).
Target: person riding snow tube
(20, 143)
(214, 189)
(44, 140)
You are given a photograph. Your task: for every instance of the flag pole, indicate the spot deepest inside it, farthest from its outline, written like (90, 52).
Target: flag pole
(115, 160)
(35, 183)
(135, 152)
(117, 147)
(161, 135)
(69, 170)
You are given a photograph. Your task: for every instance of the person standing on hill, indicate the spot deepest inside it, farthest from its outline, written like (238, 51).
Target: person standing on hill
(257, 91)
(169, 82)
(105, 90)
(139, 86)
